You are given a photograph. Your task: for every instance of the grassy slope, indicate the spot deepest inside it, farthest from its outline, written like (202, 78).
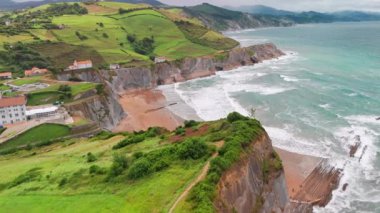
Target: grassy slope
(170, 40)
(92, 194)
(155, 192)
(37, 134)
(51, 94)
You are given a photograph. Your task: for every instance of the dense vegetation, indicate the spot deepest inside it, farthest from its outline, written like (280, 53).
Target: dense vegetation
(119, 171)
(19, 57)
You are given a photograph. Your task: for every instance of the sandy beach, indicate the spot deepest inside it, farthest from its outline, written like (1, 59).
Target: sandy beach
(146, 108)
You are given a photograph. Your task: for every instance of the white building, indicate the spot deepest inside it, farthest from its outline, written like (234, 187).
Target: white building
(41, 112)
(12, 110)
(77, 65)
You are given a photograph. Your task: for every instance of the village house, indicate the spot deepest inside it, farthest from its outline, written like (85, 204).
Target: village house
(12, 110)
(77, 65)
(160, 59)
(5, 75)
(114, 66)
(35, 71)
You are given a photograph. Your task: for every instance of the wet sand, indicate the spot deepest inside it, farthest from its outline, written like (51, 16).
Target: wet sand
(297, 168)
(309, 179)
(147, 108)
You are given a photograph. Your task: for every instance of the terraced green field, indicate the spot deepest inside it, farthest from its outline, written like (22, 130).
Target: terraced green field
(40, 133)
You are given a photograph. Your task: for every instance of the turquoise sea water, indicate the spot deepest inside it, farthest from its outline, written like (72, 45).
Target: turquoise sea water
(319, 99)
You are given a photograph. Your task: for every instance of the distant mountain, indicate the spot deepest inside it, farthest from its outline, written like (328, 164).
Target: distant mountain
(263, 10)
(223, 19)
(310, 16)
(11, 5)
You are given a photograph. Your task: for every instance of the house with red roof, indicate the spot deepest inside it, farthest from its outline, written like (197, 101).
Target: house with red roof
(5, 75)
(12, 110)
(35, 71)
(78, 65)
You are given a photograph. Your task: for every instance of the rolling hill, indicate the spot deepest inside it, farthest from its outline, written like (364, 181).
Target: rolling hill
(310, 16)
(12, 5)
(106, 32)
(223, 19)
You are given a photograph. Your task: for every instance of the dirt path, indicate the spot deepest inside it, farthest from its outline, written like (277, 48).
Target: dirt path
(200, 177)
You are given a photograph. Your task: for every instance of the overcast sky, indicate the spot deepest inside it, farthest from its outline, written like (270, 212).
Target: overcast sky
(297, 5)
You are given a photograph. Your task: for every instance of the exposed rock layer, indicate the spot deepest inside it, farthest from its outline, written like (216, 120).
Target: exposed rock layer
(243, 187)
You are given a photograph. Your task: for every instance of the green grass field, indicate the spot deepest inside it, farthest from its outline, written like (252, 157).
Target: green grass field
(40, 133)
(28, 80)
(52, 94)
(90, 193)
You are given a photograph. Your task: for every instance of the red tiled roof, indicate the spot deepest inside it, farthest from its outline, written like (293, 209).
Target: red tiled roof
(35, 70)
(84, 62)
(5, 74)
(14, 101)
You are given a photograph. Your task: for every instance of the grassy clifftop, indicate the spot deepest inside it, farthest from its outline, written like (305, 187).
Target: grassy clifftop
(130, 172)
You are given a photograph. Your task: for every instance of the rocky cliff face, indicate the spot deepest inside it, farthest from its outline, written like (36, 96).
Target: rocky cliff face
(104, 110)
(244, 188)
(188, 68)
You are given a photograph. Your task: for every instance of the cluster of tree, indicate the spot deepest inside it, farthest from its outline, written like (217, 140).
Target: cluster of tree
(80, 36)
(144, 46)
(66, 91)
(65, 9)
(19, 57)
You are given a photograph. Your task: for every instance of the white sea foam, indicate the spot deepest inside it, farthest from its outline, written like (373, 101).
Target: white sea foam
(289, 79)
(363, 119)
(325, 106)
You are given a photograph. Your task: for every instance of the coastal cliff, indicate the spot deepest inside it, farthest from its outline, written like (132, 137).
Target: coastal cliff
(253, 184)
(104, 110)
(120, 81)
(188, 68)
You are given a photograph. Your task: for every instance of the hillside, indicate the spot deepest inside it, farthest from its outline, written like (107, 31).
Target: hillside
(310, 16)
(106, 32)
(118, 172)
(12, 5)
(224, 19)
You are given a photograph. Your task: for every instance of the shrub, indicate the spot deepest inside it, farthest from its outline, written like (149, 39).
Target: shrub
(235, 116)
(139, 168)
(131, 140)
(131, 38)
(105, 35)
(28, 176)
(91, 157)
(119, 164)
(95, 169)
(180, 130)
(190, 123)
(192, 148)
(63, 182)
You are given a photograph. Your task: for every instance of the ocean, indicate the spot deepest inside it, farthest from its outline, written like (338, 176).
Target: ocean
(319, 99)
